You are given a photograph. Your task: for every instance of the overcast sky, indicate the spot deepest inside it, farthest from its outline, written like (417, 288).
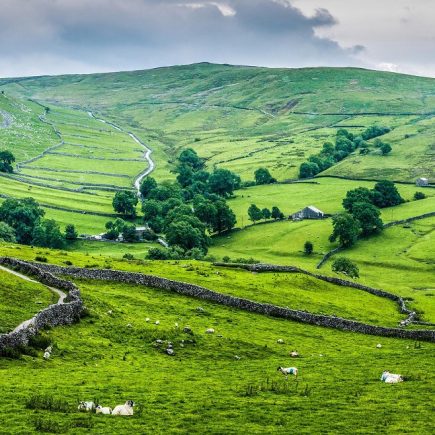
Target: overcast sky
(83, 36)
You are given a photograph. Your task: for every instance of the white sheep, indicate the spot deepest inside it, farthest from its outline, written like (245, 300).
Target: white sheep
(280, 341)
(157, 322)
(391, 378)
(294, 354)
(47, 355)
(86, 406)
(210, 331)
(147, 319)
(100, 410)
(379, 345)
(288, 371)
(126, 409)
(49, 349)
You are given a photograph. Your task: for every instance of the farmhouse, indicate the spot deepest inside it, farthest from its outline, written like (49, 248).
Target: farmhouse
(421, 182)
(309, 212)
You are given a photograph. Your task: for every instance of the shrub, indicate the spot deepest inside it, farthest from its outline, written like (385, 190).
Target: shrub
(346, 267)
(128, 256)
(308, 248)
(41, 259)
(419, 195)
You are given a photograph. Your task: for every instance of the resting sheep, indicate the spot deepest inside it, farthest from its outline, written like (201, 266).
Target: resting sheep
(288, 371)
(100, 410)
(210, 331)
(126, 409)
(86, 406)
(294, 354)
(391, 378)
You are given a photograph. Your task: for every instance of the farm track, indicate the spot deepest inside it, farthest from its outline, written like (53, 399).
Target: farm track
(61, 300)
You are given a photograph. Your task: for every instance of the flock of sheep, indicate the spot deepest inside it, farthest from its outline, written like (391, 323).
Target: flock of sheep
(126, 409)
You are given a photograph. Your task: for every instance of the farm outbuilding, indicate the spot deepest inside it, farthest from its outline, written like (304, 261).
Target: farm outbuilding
(309, 212)
(421, 182)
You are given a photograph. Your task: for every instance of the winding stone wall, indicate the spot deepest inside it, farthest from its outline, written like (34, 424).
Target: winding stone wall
(243, 304)
(54, 315)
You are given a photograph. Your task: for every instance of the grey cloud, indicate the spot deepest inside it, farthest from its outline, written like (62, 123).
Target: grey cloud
(131, 34)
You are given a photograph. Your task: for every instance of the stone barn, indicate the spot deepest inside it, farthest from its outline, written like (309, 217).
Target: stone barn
(309, 212)
(422, 182)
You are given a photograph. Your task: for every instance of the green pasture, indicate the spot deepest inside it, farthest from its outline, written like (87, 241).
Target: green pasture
(20, 300)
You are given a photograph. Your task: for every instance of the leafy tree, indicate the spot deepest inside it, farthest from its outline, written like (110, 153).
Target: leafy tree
(164, 191)
(206, 212)
(345, 266)
(419, 195)
(151, 209)
(385, 149)
(266, 213)
(6, 160)
(114, 229)
(159, 254)
(129, 233)
(225, 218)
(169, 204)
(262, 176)
(344, 144)
(48, 235)
(360, 194)
(254, 213)
(308, 170)
(386, 194)
(276, 213)
(70, 232)
(327, 149)
(345, 228)
(189, 157)
(185, 175)
(157, 224)
(344, 133)
(369, 218)
(223, 182)
(7, 233)
(125, 202)
(374, 131)
(148, 184)
(183, 234)
(308, 247)
(22, 215)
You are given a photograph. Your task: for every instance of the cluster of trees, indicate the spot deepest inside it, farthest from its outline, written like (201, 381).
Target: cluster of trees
(21, 220)
(256, 214)
(362, 216)
(384, 147)
(125, 202)
(345, 143)
(263, 176)
(187, 211)
(121, 227)
(6, 160)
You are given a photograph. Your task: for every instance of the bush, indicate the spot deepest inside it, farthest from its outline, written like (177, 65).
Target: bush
(419, 195)
(128, 256)
(308, 248)
(346, 267)
(41, 259)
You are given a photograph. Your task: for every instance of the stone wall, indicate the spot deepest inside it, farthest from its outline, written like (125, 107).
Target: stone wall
(243, 304)
(54, 315)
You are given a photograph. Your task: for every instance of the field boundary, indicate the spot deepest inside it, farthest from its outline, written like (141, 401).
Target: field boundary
(199, 292)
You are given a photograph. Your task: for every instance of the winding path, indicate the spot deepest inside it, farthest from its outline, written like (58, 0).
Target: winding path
(62, 296)
(147, 155)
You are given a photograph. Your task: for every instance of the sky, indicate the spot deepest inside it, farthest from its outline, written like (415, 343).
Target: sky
(83, 36)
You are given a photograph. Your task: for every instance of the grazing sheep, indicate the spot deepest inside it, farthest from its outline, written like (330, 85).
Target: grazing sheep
(126, 409)
(170, 351)
(210, 331)
(86, 406)
(47, 355)
(147, 319)
(100, 410)
(294, 354)
(280, 341)
(49, 349)
(157, 322)
(379, 345)
(391, 378)
(110, 312)
(288, 371)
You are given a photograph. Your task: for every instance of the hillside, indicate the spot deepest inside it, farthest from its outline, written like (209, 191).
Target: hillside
(245, 117)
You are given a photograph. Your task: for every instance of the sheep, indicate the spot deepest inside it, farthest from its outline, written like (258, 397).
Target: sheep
(157, 322)
(288, 371)
(391, 378)
(100, 410)
(147, 319)
(280, 341)
(86, 406)
(126, 409)
(49, 349)
(294, 354)
(379, 345)
(210, 331)
(47, 355)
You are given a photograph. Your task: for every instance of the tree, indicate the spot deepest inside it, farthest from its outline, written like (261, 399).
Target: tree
(225, 218)
(308, 248)
(190, 158)
(129, 233)
(360, 194)
(374, 131)
(266, 213)
(385, 194)
(419, 195)
(276, 213)
(183, 234)
(345, 228)
(114, 229)
(7, 233)
(345, 266)
(308, 170)
(6, 160)
(185, 175)
(148, 184)
(22, 215)
(70, 232)
(262, 176)
(368, 217)
(164, 191)
(254, 213)
(48, 235)
(385, 149)
(151, 209)
(206, 212)
(223, 182)
(125, 202)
